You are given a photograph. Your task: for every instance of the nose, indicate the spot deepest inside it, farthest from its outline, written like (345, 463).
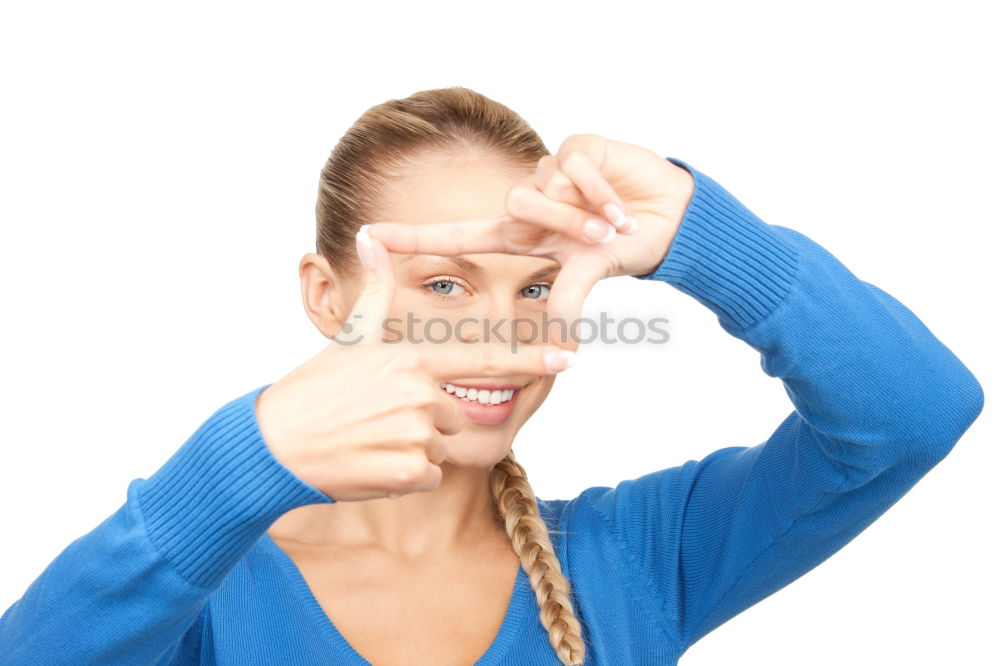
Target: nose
(515, 322)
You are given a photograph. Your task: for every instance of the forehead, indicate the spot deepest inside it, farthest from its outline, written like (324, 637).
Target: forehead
(452, 189)
(449, 189)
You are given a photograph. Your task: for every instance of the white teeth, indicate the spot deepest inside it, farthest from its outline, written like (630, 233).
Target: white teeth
(482, 396)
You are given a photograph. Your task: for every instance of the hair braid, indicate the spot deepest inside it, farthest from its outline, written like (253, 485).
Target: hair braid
(517, 511)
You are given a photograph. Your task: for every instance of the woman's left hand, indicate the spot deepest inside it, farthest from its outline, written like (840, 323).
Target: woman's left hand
(552, 214)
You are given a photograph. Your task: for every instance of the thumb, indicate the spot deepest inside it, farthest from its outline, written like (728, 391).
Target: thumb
(566, 297)
(378, 285)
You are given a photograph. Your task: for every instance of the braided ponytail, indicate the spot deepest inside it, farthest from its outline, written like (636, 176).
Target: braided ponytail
(517, 511)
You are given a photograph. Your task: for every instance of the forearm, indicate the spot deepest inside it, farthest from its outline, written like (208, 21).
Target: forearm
(857, 364)
(878, 399)
(130, 590)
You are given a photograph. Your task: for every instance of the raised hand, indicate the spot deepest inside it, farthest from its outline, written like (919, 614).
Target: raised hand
(366, 418)
(561, 212)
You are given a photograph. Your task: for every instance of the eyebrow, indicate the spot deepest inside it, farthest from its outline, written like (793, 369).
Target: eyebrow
(475, 269)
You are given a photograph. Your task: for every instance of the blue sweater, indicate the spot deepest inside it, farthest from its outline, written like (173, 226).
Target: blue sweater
(185, 573)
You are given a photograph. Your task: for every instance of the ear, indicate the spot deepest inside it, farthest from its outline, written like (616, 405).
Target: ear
(323, 294)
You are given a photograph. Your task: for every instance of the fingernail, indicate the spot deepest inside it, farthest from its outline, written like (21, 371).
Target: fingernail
(598, 230)
(364, 245)
(624, 223)
(557, 361)
(615, 215)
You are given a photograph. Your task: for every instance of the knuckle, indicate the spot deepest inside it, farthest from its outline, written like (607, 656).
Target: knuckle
(423, 394)
(575, 157)
(409, 471)
(569, 144)
(560, 187)
(578, 143)
(437, 454)
(420, 429)
(517, 198)
(546, 161)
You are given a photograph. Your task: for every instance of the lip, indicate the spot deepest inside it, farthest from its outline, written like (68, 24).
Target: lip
(474, 383)
(482, 414)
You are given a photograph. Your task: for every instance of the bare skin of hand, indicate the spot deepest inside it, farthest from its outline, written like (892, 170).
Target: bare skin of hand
(365, 419)
(559, 212)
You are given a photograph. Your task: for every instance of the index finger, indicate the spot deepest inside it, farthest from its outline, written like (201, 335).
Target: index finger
(444, 238)
(378, 285)
(567, 295)
(490, 359)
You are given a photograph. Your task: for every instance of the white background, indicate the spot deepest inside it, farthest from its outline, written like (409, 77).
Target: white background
(159, 167)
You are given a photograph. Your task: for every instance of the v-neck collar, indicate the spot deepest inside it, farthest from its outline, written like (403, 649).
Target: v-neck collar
(516, 608)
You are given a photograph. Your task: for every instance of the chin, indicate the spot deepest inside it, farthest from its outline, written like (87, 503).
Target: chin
(483, 445)
(475, 448)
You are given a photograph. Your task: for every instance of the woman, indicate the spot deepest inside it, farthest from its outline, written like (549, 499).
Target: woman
(251, 545)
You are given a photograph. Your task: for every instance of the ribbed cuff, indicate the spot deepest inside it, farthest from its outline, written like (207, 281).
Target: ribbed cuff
(726, 257)
(210, 502)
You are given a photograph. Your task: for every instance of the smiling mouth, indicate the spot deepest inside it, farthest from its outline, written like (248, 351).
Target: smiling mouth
(484, 395)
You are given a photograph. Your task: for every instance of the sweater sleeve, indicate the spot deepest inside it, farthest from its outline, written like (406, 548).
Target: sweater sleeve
(133, 589)
(878, 401)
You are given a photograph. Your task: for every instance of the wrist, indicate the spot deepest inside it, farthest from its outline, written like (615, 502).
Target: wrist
(666, 219)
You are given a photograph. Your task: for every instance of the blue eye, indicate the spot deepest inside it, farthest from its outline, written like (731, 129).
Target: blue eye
(444, 287)
(538, 291)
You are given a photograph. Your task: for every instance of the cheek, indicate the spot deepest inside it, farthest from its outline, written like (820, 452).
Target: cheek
(417, 318)
(419, 301)
(535, 394)
(404, 302)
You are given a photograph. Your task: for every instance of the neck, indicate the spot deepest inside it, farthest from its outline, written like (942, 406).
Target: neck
(458, 512)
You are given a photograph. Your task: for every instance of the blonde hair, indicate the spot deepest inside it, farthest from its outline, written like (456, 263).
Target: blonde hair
(377, 149)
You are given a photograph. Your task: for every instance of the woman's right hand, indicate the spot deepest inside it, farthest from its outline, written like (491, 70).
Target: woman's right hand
(366, 418)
